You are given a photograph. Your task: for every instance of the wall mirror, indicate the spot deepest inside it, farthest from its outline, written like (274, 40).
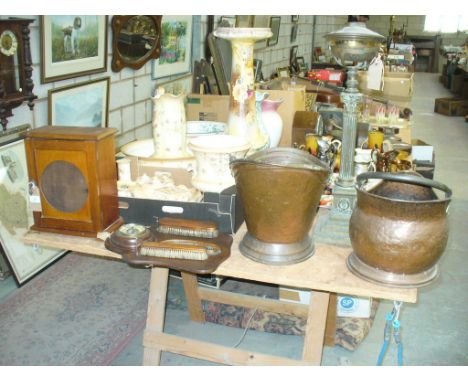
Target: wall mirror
(135, 40)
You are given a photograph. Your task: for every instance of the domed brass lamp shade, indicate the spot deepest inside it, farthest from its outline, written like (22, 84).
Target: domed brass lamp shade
(354, 44)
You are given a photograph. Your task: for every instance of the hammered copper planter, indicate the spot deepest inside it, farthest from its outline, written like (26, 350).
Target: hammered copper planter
(398, 229)
(280, 190)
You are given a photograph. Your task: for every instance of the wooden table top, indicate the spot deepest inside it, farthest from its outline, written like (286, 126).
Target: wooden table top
(326, 270)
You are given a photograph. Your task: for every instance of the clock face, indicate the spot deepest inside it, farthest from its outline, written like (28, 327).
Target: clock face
(8, 43)
(132, 230)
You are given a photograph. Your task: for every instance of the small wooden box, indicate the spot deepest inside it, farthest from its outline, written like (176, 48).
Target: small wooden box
(75, 173)
(453, 107)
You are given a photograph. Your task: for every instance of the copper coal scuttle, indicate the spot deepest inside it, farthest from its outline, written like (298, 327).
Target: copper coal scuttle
(280, 190)
(398, 229)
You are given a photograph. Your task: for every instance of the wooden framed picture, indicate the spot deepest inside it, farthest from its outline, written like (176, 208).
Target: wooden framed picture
(275, 22)
(227, 21)
(258, 75)
(244, 21)
(301, 64)
(85, 104)
(293, 54)
(176, 47)
(294, 30)
(182, 84)
(16, 215)
(261, 21)
(72, 46)
(283, 72)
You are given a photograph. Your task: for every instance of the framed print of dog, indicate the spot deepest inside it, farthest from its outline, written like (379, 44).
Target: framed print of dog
(72, 46)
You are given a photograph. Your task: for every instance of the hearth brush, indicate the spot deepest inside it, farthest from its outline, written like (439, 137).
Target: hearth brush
(186, 227)
(180, 249)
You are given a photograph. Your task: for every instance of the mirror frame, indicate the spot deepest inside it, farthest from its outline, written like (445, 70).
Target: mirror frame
(118, 60)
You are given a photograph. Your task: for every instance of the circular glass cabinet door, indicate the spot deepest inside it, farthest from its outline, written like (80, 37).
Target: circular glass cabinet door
(64, 186)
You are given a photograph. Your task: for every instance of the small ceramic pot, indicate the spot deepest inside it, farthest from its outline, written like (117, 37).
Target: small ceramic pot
(213, 154)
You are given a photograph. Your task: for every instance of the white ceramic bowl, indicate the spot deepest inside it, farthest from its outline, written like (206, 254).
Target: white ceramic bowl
(213, 154)
(142, 148)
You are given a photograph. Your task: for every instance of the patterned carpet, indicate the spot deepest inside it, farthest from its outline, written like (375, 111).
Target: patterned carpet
(84, 310)
(72, 313)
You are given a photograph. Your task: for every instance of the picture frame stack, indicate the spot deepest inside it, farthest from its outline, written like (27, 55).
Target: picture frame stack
(75, 46)
(275, 24)
(294, 28)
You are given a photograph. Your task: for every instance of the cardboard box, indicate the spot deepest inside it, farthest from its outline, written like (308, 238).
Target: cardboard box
(346, 306)
(223, 208)
(404, 134)
(294, 295)
(421, 151)
(207, 107)
(398, 86)
(451, 107)
(204, 107)
(333, 76)
(350, 306)
(425, 168)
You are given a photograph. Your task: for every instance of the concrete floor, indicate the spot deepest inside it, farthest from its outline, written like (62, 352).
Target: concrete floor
(434, 331)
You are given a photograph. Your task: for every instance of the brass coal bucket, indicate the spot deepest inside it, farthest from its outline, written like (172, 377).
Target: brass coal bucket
(280, 190)
(398, 229)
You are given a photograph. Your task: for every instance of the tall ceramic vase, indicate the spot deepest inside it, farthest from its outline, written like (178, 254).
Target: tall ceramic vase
(243, 119)
(271, 120)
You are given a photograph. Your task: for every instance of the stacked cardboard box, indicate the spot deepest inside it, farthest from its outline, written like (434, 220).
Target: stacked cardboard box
(397, 88)
(202, 107)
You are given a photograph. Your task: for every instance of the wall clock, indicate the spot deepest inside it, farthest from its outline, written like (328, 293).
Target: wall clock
(16, 82)
(8, 43)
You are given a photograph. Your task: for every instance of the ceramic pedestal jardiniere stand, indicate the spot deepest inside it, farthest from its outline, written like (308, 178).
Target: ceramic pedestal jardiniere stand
(213, 154)
(243, 121)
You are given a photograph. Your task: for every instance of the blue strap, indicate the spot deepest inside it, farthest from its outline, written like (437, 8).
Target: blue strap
(392, 322)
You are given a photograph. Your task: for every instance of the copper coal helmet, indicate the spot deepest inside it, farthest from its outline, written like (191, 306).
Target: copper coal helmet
(280, 190)
(398, 229)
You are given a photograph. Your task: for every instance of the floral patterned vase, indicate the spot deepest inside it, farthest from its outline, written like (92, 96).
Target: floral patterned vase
(243, 119)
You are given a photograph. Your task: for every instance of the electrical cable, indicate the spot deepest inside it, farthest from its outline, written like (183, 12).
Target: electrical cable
(247, 326)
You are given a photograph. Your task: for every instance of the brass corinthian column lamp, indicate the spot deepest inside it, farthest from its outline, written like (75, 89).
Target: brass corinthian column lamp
(353, 46)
